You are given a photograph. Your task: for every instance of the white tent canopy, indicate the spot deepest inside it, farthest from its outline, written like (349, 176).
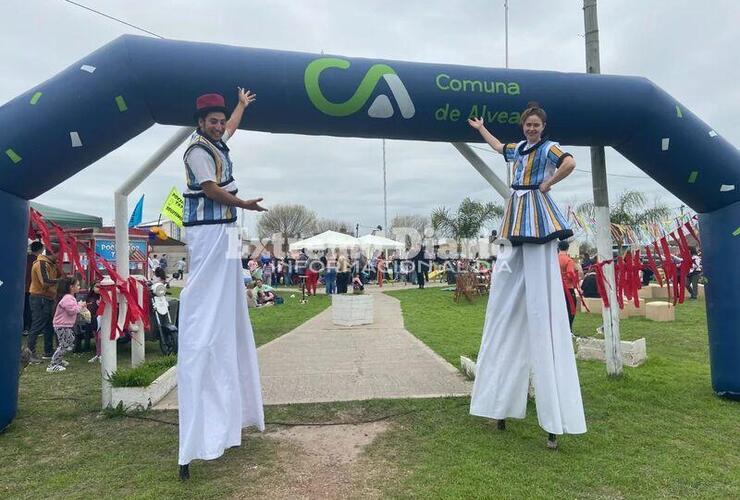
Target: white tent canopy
(327, 239)
(372, 242)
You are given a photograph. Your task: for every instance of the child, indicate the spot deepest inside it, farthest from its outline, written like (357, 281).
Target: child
(65, 316)
(380, 266)
(265, 299)
(357, 286)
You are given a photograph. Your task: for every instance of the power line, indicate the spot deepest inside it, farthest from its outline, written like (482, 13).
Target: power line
(616, 175)
(113, 18)
(580, 169)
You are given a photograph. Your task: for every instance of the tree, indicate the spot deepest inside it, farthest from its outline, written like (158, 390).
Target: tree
(291, 221)
(400, 224)
(630, 209)
(416, 222)
(467, 222)
(333, 225)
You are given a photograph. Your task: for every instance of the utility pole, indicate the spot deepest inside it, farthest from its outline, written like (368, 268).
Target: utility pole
(506, 30)
(610, 315)
(385, 195)
(506, 36)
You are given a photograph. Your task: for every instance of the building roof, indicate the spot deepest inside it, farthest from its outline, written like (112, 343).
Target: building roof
(66, 218)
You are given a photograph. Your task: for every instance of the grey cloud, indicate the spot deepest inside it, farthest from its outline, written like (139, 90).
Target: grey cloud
(683, 46)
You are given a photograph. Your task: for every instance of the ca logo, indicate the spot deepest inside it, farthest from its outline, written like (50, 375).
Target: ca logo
(381, 106)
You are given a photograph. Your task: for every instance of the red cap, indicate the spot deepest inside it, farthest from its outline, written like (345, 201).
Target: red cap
(210, 102)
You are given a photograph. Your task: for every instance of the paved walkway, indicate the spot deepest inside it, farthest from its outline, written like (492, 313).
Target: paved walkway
(321, 362)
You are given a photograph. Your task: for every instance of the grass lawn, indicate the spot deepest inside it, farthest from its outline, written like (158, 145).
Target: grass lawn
(60, 445)
(659, 431)
(271, 322)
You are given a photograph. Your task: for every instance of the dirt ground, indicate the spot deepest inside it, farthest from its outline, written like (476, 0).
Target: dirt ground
(321, 462)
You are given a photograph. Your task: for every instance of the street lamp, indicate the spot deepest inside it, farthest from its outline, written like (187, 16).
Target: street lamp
(373, 229)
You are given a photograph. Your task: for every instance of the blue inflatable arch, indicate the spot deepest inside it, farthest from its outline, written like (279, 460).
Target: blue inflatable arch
(97, 104)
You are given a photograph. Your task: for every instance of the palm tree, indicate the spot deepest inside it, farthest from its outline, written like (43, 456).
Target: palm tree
(629, 210)
(467, 221)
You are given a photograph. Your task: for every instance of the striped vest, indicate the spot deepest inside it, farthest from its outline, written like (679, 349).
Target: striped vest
(200, 209)
(530, 215)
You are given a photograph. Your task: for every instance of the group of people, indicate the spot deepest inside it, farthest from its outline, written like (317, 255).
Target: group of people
(158, 266)
(53, 303)
(526, 333)
(260, 294)
(337, 270)
(63, 315)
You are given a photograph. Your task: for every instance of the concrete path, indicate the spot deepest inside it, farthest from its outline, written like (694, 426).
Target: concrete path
(321, 362)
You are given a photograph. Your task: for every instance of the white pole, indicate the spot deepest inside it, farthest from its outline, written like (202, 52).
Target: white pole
(138, 335)
(121, 206)
(483, 169)
(108, 360)
(610, 315)
(122, 249)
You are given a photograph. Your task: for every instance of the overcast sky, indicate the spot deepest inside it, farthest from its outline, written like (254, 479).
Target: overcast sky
(688, 48)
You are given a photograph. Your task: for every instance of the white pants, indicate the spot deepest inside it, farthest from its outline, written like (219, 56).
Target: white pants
(526, 331)
(217, 373)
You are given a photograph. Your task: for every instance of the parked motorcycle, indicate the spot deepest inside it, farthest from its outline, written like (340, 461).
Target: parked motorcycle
(161, 321)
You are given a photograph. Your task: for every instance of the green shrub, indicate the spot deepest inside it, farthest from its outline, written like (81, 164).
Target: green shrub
(144, 374)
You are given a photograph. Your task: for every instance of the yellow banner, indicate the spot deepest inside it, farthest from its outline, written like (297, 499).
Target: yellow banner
(173, 206)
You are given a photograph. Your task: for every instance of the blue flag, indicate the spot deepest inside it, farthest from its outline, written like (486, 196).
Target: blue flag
(136, 215)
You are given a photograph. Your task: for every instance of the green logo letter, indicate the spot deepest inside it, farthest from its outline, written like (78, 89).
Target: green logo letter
(380, 108)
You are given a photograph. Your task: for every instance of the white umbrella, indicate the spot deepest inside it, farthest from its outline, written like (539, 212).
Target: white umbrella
(327, 239)
(371, 242)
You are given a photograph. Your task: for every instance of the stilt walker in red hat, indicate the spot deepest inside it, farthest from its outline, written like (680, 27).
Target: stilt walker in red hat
(218, 380)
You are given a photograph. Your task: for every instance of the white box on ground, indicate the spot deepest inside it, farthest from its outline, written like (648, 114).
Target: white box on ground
(660, 311)
(634, 353)
(141, 398)
(351, 309)
(594, 305)
(633, 310)
(658, 292)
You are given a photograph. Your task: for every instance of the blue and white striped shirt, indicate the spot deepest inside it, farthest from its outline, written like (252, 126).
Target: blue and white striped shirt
(207, 161)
